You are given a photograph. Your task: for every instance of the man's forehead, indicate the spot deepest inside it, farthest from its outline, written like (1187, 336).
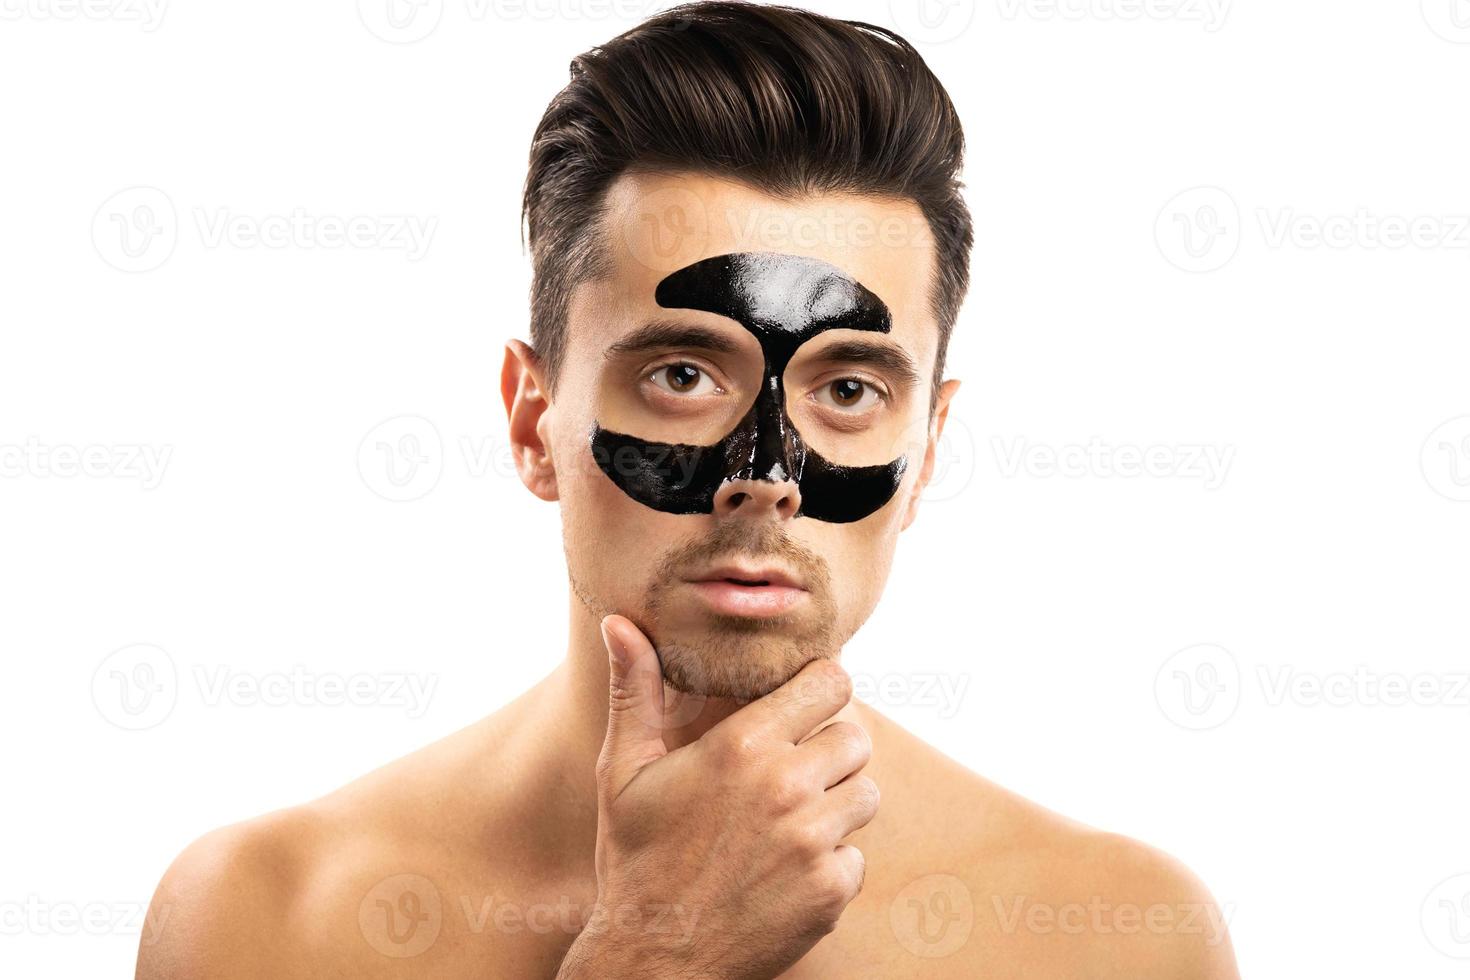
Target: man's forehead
(656, 224)
(775, 295)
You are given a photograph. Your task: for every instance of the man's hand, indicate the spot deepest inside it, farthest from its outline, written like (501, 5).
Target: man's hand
(734, 838)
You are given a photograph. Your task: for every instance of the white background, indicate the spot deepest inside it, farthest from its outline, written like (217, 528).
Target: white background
(1276, 321)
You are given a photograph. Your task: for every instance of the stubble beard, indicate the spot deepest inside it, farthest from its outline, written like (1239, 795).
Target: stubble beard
(733, 657)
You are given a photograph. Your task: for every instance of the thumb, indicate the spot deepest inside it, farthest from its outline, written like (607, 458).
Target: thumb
(635, 705)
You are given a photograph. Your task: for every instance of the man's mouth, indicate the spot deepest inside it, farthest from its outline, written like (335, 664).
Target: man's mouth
(749, 590)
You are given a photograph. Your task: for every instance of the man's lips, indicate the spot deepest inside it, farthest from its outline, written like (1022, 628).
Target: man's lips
(749, 590)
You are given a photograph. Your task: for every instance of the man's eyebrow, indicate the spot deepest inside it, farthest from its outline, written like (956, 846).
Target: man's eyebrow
(665, 334)
(883, 356)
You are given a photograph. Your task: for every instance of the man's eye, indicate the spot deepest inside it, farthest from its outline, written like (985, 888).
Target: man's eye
(683, 379)
(848, 394)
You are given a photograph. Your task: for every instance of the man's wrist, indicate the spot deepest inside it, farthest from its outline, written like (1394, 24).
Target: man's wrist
(594, 956)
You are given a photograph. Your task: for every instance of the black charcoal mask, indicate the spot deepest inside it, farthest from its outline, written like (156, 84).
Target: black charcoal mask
(784, 300)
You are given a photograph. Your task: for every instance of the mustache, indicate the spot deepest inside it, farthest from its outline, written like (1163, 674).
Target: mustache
(744, 538)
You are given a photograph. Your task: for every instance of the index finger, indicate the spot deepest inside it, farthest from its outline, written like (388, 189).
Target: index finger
(792, 711)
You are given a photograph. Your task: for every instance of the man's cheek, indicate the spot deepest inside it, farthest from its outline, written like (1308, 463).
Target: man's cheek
(859, 556)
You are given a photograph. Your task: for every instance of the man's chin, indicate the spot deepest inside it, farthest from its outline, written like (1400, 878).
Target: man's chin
(736, 659)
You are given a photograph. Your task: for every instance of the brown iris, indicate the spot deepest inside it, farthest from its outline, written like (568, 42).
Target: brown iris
(847, 391)
(681, 377)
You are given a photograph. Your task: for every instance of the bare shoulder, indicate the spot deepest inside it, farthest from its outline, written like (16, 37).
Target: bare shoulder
(228, 901)
(387, 871)
(1124, 902)
(984, 879)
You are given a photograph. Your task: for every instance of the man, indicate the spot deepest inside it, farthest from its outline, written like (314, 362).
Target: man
(749, 251)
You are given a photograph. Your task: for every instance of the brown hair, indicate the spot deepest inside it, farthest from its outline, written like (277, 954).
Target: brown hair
(787, 100)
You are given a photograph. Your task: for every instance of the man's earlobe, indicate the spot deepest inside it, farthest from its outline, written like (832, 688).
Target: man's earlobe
(526, 406)
(926, 470)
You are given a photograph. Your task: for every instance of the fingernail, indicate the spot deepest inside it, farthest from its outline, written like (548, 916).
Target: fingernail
(614, 643)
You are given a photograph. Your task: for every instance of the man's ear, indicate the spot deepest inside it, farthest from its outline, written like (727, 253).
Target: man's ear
(936, 430)
(523, 389)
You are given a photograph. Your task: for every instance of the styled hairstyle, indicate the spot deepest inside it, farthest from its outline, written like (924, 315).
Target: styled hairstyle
(788, 101)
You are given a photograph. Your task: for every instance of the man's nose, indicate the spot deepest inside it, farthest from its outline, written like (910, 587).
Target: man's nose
(754, 498)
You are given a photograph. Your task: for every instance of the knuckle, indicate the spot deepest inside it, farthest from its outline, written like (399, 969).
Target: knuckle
(832, 897)
(785, 791)
(853, 737)
(854, 872)
(832, 680)
(822, 681)
(620, 691)
(866, 795)
(827, 919)
(738, 749)
(808, 839)
(747, 747)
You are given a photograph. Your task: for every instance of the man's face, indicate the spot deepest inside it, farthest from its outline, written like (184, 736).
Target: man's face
(742, 351)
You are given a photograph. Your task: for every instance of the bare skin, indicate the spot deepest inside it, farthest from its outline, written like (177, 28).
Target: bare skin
(606, 825)
(509, 840)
